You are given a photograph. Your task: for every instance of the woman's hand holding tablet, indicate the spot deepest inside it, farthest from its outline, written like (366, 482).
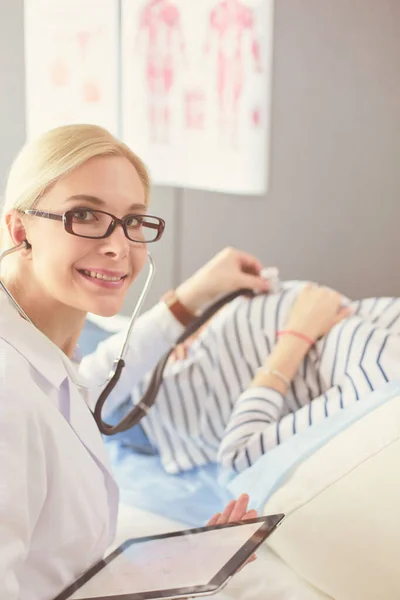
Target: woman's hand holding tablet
(191, 563)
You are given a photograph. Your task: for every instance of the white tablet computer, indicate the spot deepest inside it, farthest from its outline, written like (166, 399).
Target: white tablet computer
(194, 562)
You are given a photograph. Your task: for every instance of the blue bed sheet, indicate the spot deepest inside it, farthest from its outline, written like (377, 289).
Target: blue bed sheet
(191, 497)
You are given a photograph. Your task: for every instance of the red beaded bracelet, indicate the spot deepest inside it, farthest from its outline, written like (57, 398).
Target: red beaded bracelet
(297, 334)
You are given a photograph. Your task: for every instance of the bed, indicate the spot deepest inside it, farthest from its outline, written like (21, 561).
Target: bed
(184, 501)
(328, 480)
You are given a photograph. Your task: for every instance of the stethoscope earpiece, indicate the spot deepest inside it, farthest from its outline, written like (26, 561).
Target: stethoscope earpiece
(27, 245)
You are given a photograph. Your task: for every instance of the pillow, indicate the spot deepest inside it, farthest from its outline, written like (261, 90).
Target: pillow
(273, 469)
(342, 528)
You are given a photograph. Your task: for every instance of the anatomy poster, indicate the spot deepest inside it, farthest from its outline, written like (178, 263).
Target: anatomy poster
(196, 91)
(71, 49)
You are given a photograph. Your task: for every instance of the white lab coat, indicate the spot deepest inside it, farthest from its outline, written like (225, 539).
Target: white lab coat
(58, 499)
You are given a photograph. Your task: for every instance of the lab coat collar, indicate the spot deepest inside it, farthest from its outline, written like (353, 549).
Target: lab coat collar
(34, 345)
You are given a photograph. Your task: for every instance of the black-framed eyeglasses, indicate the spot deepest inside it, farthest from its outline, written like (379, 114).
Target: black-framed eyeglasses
(98, 224)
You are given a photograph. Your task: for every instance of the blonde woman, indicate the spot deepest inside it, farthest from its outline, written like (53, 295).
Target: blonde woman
(78, 198)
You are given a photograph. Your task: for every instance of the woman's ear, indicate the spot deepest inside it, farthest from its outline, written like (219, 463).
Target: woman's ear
(16, 228)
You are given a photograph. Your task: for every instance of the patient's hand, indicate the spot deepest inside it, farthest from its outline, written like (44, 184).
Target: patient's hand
(181, 350)
(316, 311)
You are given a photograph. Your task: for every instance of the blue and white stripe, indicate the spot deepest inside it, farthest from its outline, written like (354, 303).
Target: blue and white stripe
(204, 411)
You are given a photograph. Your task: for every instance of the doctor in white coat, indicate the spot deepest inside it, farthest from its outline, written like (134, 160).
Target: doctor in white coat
(58, 499)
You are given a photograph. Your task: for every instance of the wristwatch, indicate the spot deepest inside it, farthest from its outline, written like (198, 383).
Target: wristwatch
(179, 310)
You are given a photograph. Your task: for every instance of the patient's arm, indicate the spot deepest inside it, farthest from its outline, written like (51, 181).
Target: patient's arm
(255, 426)
(314, 313)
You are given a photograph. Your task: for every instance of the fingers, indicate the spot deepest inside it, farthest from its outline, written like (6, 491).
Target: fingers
(251, 514)
(235, 510)
(343, 313)
(256, 283)
(179, 353)
(225, 516)
(182, 351)
(322, 297)
(226, 272)
(214, 520)
(248, 262)
(250, 268)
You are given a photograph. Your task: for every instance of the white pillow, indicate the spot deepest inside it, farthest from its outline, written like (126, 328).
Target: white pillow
(342, 529)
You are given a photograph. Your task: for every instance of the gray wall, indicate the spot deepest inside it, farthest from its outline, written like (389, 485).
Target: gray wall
(332, 212)
(12, 84)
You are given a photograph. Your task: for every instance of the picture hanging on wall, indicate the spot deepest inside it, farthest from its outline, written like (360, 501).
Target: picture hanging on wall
(71, 51)
(196, 79)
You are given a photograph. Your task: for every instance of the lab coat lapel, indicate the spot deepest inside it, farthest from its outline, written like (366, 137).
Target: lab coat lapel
(84, 425)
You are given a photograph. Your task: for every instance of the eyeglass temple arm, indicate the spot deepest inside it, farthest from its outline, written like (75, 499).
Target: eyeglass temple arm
(46, 215)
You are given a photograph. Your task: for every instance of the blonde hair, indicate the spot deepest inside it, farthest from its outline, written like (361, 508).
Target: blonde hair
(56, 153)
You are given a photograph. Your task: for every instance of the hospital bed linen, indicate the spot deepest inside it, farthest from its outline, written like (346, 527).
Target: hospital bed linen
(271, 470)
(191, 497)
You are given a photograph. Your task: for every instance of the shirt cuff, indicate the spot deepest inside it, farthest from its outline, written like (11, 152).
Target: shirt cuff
(261, 398)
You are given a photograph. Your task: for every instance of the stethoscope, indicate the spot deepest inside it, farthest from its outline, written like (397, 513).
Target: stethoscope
(142, 408)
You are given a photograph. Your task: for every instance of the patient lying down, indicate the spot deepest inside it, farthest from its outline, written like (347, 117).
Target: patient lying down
(266, 368)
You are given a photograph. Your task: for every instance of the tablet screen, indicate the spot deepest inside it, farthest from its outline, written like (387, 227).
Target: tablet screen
(187, 561)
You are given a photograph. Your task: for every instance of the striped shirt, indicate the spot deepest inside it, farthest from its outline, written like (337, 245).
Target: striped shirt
(204, 411)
